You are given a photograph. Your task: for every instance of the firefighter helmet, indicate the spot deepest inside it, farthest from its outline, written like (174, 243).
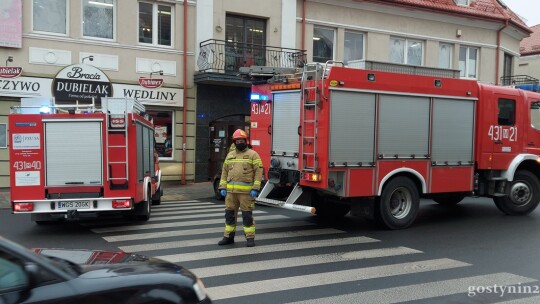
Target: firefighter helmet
(239, 133)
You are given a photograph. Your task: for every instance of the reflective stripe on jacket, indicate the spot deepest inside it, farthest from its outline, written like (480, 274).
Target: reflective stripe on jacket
(242, 171)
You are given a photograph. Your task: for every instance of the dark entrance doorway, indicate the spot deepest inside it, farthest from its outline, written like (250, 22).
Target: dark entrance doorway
(221, 131)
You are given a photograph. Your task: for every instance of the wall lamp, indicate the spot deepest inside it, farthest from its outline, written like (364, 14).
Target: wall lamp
(91, 58)
(9, 59)
(160, 72)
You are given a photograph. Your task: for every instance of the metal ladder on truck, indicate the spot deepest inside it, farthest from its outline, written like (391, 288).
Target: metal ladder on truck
(116, 111)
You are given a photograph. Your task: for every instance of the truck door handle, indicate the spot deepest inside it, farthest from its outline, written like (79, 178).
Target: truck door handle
(300, 130)
(269, 130)
(531, 144)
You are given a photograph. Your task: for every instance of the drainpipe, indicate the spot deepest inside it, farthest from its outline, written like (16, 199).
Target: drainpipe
(303, 24)
(497, 56)
(184, 99)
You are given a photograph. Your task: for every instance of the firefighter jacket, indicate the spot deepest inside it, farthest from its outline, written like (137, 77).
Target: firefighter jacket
(242, 171)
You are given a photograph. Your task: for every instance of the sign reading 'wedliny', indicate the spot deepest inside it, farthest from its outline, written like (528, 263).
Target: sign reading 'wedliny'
(81, 82)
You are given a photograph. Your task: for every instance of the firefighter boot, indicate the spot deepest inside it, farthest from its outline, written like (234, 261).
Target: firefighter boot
(250, 242)
(227, 240)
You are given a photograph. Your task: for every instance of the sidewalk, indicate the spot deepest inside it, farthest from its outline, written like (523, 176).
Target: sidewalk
(172, 191)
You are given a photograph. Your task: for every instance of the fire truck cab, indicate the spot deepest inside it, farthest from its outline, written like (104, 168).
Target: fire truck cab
(376, 139)
(77, 161)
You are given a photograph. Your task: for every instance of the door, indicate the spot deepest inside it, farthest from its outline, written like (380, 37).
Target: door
(504, 134)
(221, 132)
(532, 143)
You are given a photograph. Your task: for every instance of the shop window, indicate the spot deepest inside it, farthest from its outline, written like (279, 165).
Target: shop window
(49, 16)
(155, 24)
(164, 132)
(323, 44)
(3, 135)
(98, 18)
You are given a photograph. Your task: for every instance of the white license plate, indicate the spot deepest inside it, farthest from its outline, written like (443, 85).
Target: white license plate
(73, 205)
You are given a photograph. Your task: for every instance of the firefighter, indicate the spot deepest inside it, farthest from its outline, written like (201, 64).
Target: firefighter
(240, 184)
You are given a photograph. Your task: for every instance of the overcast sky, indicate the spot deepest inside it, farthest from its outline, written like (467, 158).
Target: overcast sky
(528, 9)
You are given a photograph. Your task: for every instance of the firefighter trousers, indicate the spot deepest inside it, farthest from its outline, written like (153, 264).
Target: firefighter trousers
(246, 203)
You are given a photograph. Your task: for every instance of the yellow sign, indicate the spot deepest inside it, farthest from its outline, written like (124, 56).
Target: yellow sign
(333, 83)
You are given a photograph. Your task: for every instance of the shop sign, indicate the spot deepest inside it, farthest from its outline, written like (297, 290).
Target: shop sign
(10, 72)
(81, 82)
(25, 87)
(150, 83)
(159, 97)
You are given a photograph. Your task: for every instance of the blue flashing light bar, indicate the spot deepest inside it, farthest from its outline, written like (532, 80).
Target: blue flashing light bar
(258, 97)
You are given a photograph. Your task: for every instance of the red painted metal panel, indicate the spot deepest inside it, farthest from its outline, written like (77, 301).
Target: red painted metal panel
(452, 179)
(419, 168)
(361, 182)
(260, 123)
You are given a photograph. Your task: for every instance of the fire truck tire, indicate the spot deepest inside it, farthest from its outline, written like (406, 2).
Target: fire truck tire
(522, 195)
(143, 209)
(398, 204)
(449, 199)
(156, 199)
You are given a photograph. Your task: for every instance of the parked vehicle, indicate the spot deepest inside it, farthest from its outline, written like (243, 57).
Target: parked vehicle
(73, 161)
(81, 276)
(374, 142)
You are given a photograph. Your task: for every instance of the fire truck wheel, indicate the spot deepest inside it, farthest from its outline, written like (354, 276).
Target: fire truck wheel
(156, 199)
(143, 209)
(398, 204)
(522, 195)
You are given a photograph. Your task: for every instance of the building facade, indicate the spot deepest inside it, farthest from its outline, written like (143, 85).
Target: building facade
(199, 47)
(529, 61)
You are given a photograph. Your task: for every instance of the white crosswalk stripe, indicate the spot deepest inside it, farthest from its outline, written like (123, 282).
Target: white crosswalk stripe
(528, 300)
(172, 233)
(428, 290)
(213, 241)
(213, 271)
(192, 216)
(163, 236)
(207, 209)
(177, 224)
(231, 252)
(342, 276)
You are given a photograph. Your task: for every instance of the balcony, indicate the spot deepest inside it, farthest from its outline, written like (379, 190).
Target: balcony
(219, 60)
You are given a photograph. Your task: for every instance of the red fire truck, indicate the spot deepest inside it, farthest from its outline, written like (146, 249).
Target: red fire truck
(374, 140)
(76, 161)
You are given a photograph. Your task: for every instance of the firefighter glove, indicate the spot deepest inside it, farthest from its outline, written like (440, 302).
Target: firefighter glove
(223, 192)
(254, 193)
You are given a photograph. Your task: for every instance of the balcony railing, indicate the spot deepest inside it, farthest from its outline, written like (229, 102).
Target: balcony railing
(227, 57)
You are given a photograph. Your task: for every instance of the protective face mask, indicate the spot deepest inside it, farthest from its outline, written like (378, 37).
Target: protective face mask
(241, 146)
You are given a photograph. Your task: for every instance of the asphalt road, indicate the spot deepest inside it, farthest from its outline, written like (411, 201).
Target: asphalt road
(469, 253)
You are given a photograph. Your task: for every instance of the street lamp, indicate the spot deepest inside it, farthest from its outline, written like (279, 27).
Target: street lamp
(9, 59)
(91, 58)
(160, 72)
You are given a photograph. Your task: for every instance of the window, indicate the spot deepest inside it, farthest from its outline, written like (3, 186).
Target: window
(463, 2)
(98, 18)
(535, 115)
(323, 44)
(507, 110)
(354, 47)
(507, 68)
(155, 24)
(3, 135)
(445, 56)
(164, 137)
(406, 51)
(49, 16)
(468, 60)
(245, 40)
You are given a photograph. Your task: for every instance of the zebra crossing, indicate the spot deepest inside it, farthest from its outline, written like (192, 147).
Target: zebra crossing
(296, 261)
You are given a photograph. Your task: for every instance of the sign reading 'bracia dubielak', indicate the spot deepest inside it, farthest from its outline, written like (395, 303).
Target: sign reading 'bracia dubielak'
(81, 82)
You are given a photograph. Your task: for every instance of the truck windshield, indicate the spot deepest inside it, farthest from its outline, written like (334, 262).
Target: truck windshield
(535, 115)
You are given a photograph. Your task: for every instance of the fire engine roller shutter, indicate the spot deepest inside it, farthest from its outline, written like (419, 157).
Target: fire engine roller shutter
(73, 153)
(286, 107)
(453, 124)
(403, 126)
(352, 128)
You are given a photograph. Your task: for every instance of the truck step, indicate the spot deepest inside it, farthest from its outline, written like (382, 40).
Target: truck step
(281, 204)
